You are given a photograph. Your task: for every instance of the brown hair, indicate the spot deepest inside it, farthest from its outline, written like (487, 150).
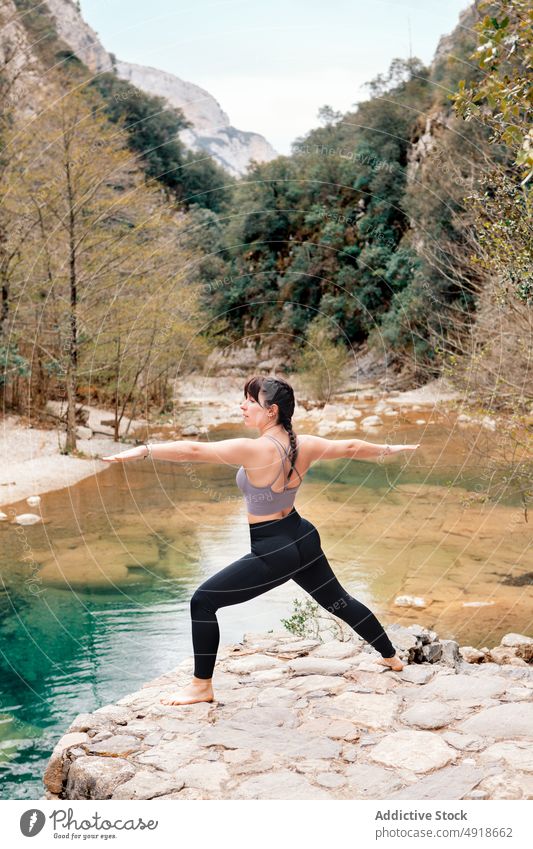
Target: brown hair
(276, 391)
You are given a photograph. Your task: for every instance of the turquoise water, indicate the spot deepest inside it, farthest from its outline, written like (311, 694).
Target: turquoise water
(95, 601)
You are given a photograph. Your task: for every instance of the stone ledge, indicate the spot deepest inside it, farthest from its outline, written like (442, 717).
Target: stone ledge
(304, 719)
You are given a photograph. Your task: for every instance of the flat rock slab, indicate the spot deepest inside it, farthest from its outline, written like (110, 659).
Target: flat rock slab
(433, 714)
(279, 785)
(419, 751)
(464, 687)
(452, 782)
(502, 722)
(369, 781)
(319, 666)
(294, 718)
(369, 710)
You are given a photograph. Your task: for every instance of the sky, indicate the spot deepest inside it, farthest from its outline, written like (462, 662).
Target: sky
(272, 65)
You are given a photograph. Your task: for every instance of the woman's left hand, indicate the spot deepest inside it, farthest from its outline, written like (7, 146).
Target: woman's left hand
(137, 453)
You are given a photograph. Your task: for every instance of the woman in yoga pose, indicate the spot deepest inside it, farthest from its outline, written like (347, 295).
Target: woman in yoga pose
(283, 544)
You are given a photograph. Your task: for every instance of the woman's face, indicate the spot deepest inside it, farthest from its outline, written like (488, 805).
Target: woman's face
(254, 415)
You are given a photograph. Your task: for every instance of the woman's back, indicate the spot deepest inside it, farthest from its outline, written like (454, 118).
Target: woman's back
(274, 475)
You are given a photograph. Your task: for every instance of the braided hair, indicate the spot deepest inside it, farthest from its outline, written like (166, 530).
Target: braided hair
(276, 391)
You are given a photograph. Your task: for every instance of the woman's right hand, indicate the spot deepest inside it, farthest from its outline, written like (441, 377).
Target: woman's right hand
(136, 453)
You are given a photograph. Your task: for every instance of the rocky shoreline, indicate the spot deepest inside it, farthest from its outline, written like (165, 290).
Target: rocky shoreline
(297, 718)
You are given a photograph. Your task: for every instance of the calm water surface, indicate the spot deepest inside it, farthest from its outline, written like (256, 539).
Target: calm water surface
(95, 601)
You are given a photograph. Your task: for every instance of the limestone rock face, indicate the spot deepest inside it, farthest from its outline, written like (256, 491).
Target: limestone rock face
(211, 131)
(79, 35)
(330, 725)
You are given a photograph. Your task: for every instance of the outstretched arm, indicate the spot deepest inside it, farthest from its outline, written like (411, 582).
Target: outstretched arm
(352, 449)
(230, 451)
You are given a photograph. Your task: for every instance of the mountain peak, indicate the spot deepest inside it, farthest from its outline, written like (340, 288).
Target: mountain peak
(211, 131)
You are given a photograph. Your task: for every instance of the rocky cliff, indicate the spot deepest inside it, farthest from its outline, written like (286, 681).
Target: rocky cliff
(211, 132)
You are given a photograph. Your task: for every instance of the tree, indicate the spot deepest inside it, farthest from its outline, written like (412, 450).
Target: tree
(104, 250)
(502, 98)
(321, 364)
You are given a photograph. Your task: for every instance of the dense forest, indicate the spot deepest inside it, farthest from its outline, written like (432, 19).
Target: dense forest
(403, 226)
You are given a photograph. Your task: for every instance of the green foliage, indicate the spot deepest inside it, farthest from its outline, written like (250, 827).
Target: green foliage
(321, 363)
(12, 364)
(505, 234)
(319, 229)
(153, 129)
(310, 620)
(502, 99)
(152, 126)
(303, 621)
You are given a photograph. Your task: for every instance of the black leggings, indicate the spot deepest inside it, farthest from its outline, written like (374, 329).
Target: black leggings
(280, 549)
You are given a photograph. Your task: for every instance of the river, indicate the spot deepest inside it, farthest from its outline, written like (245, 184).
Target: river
(95, 600)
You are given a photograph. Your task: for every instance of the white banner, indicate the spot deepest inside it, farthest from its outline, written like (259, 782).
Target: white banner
(258, 823)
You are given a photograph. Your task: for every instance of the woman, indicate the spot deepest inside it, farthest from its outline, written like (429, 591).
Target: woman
(283, 544)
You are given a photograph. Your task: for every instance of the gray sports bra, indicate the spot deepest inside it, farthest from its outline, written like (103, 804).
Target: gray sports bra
(262, 500)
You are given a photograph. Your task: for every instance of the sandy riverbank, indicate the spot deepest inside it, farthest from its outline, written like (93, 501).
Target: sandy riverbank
(32, 462)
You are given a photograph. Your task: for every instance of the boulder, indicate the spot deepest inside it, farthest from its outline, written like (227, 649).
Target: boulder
(91, 777)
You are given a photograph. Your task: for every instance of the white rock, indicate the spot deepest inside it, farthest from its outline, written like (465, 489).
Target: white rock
(368, 710)
(464, 687)
(516, 640)
(319, 666)
(27, 519)
(279, 784)
(33, 500)
(146, 784)
(371, 421)
(419, 751)
(514, 719)
(435, 715)
(477, 603)
(206, 776)
(515, 755)
(3, 517)
(508, 785)
(488, 423)
(420, 421)
(253, 663)
(337, 649)
(409, 601)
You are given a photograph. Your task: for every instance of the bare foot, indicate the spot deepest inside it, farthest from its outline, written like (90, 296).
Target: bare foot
(393, 662)
(199, 690)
